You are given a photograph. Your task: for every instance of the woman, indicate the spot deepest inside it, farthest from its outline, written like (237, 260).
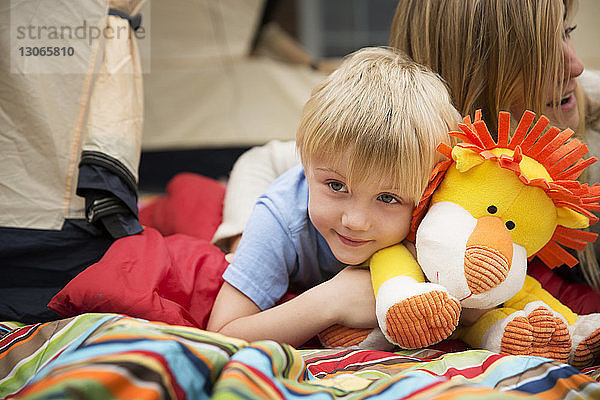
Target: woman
(505, 55)
(494, 55)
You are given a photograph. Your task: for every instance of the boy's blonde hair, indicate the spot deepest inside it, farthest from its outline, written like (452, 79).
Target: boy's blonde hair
(383, 111)
(489, 52)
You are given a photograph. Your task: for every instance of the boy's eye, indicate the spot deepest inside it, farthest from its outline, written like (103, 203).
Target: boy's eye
(337, 186)
(388, 198)
(569, 30)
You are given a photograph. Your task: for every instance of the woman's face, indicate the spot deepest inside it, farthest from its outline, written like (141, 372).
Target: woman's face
(562, 110)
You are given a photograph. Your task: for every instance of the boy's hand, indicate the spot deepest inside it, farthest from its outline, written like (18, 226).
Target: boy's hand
(350, 293)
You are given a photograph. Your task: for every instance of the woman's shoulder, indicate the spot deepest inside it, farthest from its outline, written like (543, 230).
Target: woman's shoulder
(590, 82)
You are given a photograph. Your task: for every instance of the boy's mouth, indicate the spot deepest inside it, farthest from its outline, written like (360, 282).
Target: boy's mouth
(351, 241)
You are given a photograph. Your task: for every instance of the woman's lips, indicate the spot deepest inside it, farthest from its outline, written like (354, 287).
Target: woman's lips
(569, 103)
(566, 103)
(351, 242)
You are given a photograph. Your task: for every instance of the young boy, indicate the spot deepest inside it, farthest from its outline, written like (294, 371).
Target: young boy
(367, 140)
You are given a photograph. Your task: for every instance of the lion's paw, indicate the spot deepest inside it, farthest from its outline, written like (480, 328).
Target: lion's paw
(586, 341)
(342, 336)
(415, 316)
(534, 331)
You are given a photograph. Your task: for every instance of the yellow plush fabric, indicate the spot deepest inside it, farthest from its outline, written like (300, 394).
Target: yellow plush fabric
(523, 205)
(393, 261)
(532, 291)
(472, 335)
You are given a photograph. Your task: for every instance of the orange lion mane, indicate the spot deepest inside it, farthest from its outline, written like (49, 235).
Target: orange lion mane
(559, 153)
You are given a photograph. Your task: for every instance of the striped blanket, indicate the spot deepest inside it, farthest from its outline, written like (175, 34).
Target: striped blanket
(111, 356)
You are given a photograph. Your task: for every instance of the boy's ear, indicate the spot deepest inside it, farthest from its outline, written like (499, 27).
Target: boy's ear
(465, 159)
(571, 219)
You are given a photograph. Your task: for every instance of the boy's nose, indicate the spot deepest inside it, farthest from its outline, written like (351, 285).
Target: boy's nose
(354, 219)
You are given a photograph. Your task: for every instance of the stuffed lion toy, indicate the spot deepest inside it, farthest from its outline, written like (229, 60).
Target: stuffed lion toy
(487, 210)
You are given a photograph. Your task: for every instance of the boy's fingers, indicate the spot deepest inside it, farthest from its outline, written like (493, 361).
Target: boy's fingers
(229, 257)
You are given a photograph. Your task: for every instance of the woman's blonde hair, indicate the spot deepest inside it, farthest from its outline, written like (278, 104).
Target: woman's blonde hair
(383, 115)
(489, 52)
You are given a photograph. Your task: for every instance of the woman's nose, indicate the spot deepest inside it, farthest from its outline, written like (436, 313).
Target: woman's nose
(573, 64)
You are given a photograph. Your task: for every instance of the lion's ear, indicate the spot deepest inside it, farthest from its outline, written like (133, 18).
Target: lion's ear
(571, 219)
(465, 159)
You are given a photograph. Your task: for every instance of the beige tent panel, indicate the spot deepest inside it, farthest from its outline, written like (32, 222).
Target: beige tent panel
(205, 90)
(243, 103)
(203, 30)
(39, 114)
(585, 37)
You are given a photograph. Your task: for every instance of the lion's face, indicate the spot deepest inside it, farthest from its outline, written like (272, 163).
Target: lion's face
(481, 227)
(442, 245)
(501, 202)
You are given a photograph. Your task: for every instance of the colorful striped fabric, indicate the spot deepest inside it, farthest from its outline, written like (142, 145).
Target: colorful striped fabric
(115, 357)
(428, 368)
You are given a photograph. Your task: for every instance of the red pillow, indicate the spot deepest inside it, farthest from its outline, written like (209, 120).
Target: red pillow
(580, 298)
(193, 205)
(171, 279)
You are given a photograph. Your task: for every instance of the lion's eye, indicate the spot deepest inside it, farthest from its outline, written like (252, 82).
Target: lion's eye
(492, 209)
(510, 225)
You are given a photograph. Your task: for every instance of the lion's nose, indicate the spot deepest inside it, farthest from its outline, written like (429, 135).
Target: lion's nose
(488, 255)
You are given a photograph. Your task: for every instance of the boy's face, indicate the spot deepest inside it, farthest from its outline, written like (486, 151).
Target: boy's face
(355, 221)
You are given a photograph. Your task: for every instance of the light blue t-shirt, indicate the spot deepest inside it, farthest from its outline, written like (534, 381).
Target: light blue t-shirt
(280, 247)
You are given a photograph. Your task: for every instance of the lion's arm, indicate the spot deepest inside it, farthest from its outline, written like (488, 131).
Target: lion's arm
(394, 261)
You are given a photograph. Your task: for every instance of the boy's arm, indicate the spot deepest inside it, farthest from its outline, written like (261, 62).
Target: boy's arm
(346, 299)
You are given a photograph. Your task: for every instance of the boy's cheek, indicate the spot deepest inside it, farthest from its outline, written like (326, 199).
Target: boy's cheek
(318, 218)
